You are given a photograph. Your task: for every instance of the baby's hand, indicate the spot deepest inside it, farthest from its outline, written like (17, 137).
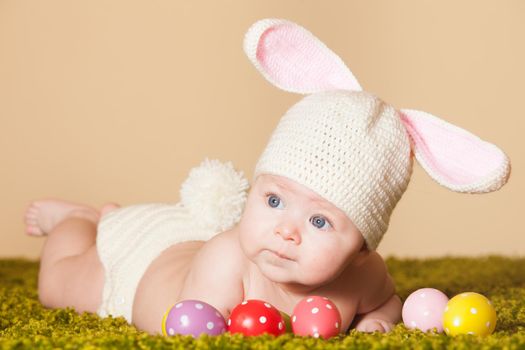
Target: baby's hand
(373, 325)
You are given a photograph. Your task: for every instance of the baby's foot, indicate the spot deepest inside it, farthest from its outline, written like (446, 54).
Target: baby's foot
(42, 216)
(106, 208)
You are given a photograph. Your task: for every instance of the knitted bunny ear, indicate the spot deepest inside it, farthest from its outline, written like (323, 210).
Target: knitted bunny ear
(453, 157)
(294, 60)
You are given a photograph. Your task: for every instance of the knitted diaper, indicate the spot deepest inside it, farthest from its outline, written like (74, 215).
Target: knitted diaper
(349, 146)
(130, 238)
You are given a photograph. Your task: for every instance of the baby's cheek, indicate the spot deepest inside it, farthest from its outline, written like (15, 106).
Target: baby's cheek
(258, 220)
(257, 229)
(249, 244)
(313, 265)
(323, 262)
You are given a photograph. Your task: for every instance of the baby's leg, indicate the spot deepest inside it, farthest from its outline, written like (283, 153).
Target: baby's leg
(71, 273)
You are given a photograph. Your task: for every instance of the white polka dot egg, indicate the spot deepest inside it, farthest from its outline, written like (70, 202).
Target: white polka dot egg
(193, 317)
(423, 309)
(256, 317)
(316, 316)
(469, 313)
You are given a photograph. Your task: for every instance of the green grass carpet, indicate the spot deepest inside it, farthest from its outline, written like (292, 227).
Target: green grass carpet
(24, 323)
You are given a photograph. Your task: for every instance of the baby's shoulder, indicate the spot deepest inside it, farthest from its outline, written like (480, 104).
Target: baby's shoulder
(215, 274)
(223, 250)
(220, 255)
(376, 285)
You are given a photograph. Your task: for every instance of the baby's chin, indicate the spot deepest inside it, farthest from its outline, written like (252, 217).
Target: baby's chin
(277, 275)
(287, 273)
(275, 269)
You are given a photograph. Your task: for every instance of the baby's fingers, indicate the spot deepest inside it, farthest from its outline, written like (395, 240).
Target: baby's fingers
(370, 325)
(374, 325)
(387, 326)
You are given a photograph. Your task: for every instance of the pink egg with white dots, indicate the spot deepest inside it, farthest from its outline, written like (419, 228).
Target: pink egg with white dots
(424, 308)
(316, 316)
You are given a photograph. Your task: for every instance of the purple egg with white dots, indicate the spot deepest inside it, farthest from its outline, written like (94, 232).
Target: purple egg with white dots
(193, 317)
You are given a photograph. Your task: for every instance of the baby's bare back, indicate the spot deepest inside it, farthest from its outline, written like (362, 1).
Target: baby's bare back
(161, 284)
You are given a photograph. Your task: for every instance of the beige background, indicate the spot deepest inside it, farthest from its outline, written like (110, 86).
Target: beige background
(117, 100)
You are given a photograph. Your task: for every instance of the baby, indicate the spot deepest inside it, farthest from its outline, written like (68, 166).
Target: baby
(289, 243)
(320, 202)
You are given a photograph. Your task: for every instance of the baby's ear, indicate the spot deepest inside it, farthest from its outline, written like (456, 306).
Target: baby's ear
(362, 255)
(293, 59)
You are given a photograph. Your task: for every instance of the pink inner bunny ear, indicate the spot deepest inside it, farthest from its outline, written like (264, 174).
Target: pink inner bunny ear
(454, 157)
(291, 58)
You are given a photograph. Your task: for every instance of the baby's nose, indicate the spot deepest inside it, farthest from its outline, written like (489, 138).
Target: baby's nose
(288, 232)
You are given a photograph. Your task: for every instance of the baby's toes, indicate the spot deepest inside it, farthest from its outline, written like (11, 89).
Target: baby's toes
(31, 211)
(34, 230)
(30, 216)
(31, 221)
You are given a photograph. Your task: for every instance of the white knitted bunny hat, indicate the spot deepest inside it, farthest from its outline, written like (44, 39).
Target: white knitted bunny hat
(349, 146)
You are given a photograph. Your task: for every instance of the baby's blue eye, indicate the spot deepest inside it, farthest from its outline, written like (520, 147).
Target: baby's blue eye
(319, 221)
(274, 201)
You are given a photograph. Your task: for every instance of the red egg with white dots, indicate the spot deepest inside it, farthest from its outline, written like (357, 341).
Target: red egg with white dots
(255, 317)
(316, 316)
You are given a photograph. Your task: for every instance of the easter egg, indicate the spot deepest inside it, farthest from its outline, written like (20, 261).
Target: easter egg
(316, 316)
(423, 309)
(469, 313)
(255, 317)
(287, 322)
(193, 317)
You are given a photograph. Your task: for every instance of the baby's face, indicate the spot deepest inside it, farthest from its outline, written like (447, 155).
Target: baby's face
(295, 236)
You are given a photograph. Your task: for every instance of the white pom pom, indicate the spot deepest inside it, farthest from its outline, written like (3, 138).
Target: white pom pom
(215, 195)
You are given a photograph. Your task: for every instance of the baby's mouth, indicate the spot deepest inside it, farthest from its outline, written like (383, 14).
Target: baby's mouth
(280, 255)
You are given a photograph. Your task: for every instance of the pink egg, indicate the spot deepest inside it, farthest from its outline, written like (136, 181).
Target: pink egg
(424, 309)
(316, 316)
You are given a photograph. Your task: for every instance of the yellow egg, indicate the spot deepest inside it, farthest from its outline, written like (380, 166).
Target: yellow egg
(164, 321)
(469, 313)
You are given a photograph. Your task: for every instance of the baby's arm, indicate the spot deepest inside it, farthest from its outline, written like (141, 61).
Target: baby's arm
(382, 319)
(380, 308)
(215, 275)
